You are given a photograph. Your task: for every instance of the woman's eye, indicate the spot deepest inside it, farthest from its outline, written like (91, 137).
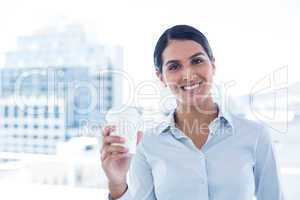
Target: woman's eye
(173, 66)
(197, 60)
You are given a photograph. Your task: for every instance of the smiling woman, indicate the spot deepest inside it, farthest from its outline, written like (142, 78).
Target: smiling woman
(187, 71)
(201, 151)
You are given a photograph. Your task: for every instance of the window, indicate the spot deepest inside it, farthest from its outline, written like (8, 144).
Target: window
(56, 111)
(35, 112)
(56, 137)
(6, 111)
(109, 78)
(25, 111)
(16, 112)
(46, 112)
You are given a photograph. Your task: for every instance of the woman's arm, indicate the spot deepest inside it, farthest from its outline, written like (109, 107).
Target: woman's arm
(266, 170)
(140, 180)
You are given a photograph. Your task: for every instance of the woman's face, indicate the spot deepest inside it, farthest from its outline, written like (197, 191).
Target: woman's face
(187, 71)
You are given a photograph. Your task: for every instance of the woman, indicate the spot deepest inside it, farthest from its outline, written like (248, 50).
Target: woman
(201, 151)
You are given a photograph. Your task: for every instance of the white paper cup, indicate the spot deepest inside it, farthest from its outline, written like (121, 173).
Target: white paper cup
(128, 121)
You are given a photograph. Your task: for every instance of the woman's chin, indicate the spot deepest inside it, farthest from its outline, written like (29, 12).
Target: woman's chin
(196, 101)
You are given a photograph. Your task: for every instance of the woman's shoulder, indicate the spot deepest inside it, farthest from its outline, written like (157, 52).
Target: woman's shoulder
(246, 126)
(244, 122)
(153, 135)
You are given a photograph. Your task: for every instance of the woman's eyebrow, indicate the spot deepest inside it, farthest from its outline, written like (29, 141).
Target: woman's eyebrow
(172, 61)
(197, 54)
(191, 57)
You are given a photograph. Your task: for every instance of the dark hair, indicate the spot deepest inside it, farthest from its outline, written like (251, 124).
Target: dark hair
(179, 32)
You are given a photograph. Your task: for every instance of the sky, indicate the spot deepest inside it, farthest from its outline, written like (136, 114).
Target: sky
(250, 39)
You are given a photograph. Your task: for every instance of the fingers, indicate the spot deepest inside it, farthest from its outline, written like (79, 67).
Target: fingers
(113, 139)
(119, 156)
(114, 151)
(108, 139)
(108, 149)
(107, 130)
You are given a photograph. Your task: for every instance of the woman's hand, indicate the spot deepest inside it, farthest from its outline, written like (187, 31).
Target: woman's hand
(115, 159)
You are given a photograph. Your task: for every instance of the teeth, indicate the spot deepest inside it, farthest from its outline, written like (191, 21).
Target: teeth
(191, 87)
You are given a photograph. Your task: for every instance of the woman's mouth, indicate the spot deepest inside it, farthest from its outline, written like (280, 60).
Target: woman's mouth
(191, 87)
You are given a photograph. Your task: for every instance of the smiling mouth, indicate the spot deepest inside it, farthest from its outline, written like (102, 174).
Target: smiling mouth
(191, 87)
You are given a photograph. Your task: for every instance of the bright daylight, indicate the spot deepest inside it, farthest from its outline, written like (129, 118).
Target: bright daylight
(204, 94)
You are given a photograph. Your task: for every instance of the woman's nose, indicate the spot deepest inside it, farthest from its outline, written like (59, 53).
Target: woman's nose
(188, 73)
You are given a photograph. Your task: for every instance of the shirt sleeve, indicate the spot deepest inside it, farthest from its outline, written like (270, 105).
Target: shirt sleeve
(266, 169)
(140, 180)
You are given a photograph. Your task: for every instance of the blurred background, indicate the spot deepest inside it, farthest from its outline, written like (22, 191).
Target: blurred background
(63, 64)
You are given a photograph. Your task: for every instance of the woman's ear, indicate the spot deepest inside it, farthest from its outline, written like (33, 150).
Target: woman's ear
(160, 77)
(213, 65)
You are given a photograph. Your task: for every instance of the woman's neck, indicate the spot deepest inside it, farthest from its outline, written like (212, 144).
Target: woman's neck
(193, 119)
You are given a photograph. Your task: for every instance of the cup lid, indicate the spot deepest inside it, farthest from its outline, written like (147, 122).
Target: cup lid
(124, 112)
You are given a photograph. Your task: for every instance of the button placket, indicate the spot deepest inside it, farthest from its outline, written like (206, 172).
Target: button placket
(203, 178)
(203, 169)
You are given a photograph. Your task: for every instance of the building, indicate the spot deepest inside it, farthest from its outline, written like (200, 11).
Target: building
(62, 61)
(31, 126)
(55, 64)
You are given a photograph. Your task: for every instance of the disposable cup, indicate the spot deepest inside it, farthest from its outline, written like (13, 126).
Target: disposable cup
(127, 121)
